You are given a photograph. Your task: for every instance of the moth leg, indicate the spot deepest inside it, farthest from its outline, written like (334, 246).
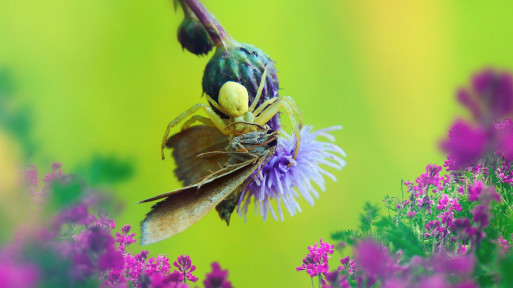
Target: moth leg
(198, 118)
(274, 108)
(264, 105)
(216, 120)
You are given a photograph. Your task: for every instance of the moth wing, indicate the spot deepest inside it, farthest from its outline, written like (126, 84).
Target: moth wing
(191, 142)
(205, 180)
(181, 210)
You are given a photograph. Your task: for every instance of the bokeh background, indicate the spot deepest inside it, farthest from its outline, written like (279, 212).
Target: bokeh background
(103, 78)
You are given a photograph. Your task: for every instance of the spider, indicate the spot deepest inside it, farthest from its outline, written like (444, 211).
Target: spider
(233, 101)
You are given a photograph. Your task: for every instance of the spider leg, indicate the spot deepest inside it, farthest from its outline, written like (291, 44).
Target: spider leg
(294, 107)
(198, 118)
(271, 110)
(216, 120)
(216, 105)
(264, 105)
(259, 91)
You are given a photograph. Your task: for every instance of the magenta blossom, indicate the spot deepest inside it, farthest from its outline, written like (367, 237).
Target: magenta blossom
(183, 263)
(465, 145)
(316, 262)
(217, 278)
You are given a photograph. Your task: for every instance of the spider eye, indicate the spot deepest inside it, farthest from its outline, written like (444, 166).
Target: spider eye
(233, 97)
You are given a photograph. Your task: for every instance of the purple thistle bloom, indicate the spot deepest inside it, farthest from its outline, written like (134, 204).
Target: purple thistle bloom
(276, 181)
(183, 263)
(217, 278)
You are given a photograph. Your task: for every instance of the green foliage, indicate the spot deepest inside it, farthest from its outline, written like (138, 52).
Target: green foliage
(506, 267)
(66, 191)
(367, 218)
(398, 236)
(17, 121)
(108, 170)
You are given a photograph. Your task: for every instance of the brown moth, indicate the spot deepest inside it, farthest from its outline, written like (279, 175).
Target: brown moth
(214, 169)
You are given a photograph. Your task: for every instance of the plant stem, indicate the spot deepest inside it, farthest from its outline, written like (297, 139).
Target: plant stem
(213, 27)
(311, 278)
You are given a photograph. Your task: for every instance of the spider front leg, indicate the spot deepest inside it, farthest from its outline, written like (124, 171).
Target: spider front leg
(274, 108)
(294, 107)
(198, 118)
(216, 120)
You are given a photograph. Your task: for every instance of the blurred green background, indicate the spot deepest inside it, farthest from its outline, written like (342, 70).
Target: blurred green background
(105, 77)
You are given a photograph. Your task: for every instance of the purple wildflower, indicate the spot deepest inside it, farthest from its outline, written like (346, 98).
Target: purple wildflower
(503, 243)
(459, 264)
(217, 278)
(276, 181)
(490, 97)
(373, 259)
(17, 275)
(448, 203)
(504, 133)
(56, 172)
(316, 262)
(431, 176)
(124, 239)
(474, 192)
(183, 263)
(465, 145)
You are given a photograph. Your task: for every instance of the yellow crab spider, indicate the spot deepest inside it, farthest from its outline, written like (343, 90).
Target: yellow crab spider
(233, 101)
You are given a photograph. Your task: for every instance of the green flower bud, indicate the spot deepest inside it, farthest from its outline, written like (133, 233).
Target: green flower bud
(193, 36)
(245, 64)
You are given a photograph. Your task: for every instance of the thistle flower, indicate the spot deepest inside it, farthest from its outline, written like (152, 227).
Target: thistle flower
(276, 181)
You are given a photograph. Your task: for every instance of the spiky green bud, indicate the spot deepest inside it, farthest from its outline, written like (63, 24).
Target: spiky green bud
(245, 64)
(193, 36)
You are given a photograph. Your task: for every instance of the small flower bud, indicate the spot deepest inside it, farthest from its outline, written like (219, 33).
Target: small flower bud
(193, 36)
(245, 64)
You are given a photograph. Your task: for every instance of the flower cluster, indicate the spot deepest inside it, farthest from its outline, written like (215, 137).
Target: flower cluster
(316, 262)
(489, 99)
(454, 227)
(78, 246)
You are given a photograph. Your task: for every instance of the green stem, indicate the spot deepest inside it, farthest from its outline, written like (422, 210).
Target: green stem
(213, 27)
(311, 278)
(423, 227)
